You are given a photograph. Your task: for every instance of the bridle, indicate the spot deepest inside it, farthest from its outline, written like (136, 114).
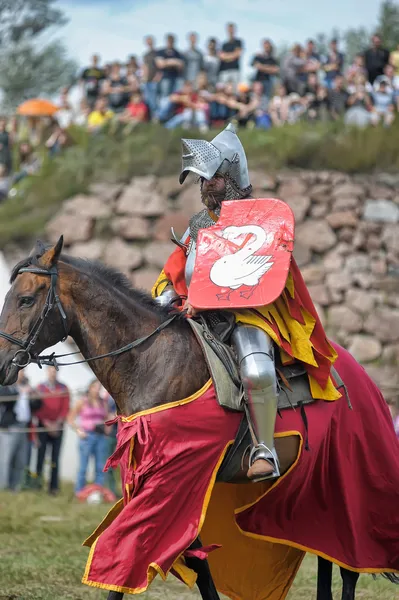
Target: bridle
(53, 301)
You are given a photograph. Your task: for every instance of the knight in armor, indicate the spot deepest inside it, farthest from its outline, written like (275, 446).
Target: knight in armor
(221, 167)
(290, 325)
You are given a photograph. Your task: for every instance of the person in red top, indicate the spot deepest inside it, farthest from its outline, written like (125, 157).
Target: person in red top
(51, 415)
(137, 109)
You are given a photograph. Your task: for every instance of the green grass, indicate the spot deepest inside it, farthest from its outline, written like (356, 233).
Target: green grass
(114, 156)
(44, 560)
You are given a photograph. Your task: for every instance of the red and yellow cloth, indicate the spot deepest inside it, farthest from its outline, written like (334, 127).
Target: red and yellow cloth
(291, 321)
(339, 500)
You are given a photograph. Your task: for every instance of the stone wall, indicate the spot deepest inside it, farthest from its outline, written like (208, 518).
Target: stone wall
(347, 245)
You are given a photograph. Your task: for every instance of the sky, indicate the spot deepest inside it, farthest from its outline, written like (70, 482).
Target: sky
(115, 28)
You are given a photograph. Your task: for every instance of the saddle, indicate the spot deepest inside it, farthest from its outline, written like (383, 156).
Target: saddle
(213, 332)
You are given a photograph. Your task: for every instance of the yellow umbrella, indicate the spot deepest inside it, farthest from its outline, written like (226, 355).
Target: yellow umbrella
(37, 107)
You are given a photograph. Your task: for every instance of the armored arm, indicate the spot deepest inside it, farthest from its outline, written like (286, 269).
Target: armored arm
(169, 295)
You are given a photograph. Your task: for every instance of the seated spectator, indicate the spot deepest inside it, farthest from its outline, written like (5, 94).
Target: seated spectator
(117, 89)
(359, 81)
(389, 78)
(241, 104)
(259, 105)
(65, 114)
(279, 106)
(100, 115)
(190, 109)
(296, 108)
(29, 162)
(383, 109)
(338, 98)
(355, 69)
(82, 114)
(92, 411)
(224, 104)
(359, 108)
(315, 99)
(57, 141)
(137, 110)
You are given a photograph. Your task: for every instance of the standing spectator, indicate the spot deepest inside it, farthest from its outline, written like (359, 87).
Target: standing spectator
(92, 412)
(375, 58)
(151, 76)
(117, 89)
(171, 64)
(5, 146)
(8, 398)
(110, 476)
(333, 67)
(293, 70)
(313, 61)
(394, 61)
(266, 68)
(15, 417)
(212, 63)
(338, 98)
(51, 415)
(91, 80)
(194, 59)
(229, 70)
(133, 68)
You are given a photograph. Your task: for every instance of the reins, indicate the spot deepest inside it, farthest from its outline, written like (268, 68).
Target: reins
(53, 300)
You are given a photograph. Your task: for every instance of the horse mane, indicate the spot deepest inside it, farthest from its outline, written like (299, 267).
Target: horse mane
(108, 276)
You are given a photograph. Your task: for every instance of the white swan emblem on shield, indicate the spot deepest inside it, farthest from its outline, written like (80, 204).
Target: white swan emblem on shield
(243, 267)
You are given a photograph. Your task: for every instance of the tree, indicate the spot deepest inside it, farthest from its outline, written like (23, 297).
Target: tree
(356, 41)
(30, 66)
(388, 24)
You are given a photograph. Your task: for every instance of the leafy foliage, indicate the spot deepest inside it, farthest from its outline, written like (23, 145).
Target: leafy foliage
(28, 65)
(113, 156)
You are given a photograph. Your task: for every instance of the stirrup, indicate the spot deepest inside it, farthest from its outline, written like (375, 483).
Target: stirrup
(263, 452)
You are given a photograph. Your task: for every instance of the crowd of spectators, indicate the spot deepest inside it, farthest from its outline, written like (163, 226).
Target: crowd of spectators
(32, 427)
(204, 88)
(196, 88)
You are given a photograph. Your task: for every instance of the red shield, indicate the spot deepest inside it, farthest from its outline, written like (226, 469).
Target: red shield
(243, 260)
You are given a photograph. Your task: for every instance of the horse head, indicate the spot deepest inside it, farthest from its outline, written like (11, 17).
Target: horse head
(33, 317)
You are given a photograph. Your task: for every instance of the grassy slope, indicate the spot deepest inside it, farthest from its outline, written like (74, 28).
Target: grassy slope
(44, 560)
(153, 150)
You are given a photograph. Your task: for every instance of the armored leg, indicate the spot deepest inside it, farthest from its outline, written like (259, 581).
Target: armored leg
(256, 360)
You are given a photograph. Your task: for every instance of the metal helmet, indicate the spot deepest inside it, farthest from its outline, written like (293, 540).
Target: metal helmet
(224, 154)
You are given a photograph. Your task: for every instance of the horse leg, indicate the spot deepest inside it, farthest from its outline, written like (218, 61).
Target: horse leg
(205, 583)
(324, 579)
(115, 596)
(349, 581)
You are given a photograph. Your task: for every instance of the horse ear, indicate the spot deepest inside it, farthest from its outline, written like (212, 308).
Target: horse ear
(51, 255)
(38, 249)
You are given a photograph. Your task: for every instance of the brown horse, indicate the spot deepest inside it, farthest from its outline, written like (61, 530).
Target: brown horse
(53, 295)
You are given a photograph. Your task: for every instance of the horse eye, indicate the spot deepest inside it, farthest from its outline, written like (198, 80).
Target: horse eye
(26, 301)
